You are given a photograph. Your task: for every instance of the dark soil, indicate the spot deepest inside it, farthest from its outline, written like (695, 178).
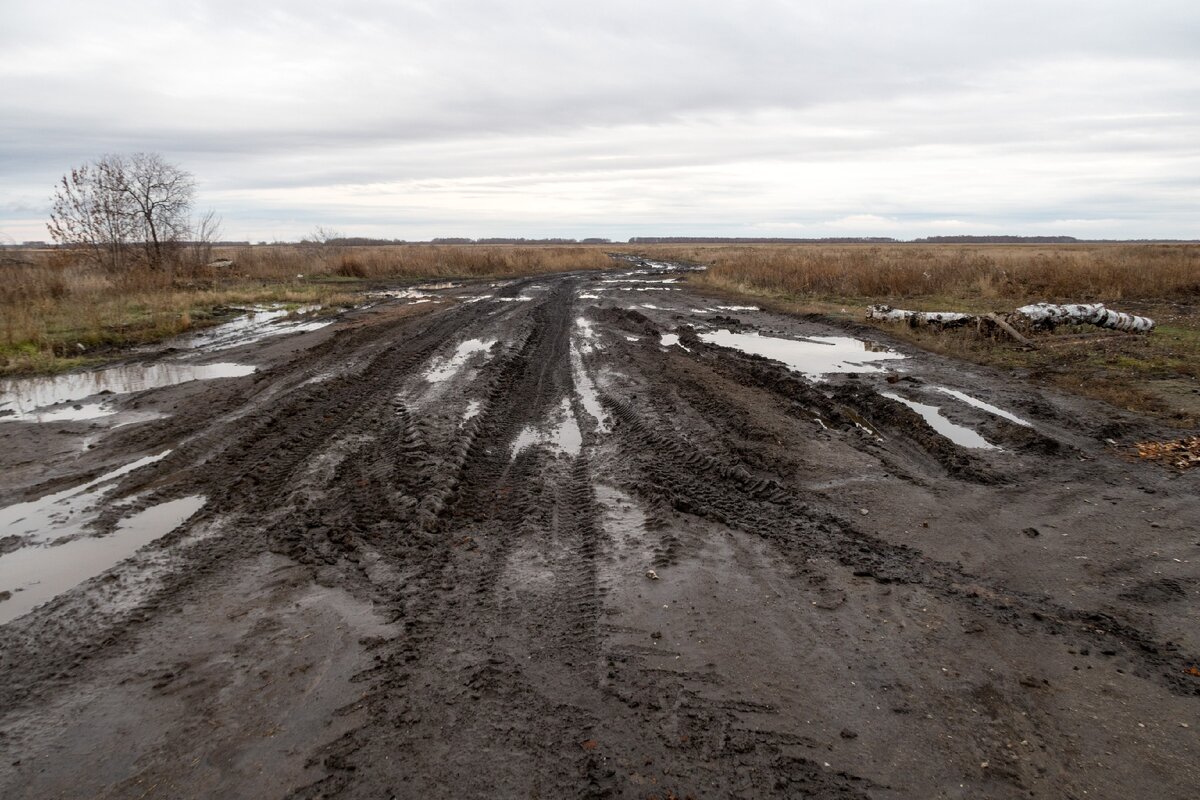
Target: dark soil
(743, 583)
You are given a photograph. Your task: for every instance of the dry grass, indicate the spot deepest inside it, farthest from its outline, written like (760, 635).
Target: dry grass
(1158, 373)
(57, 311)
(1010, 273)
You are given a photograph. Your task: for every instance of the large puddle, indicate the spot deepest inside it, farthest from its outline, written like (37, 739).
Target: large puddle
(814, 356)
(964, 437)
(257, 324)
(988, 407)
(444, 369)
(57, 398)
(36, 574)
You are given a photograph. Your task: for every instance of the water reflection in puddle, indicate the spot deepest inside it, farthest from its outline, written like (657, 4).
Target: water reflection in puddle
(446, 368)
(988, 407)
(58, 515)
(259, 323)
(565, 437)
(670, 340)
(26, 399)
(964, 437)
(814, 356)
(586, 389)
(36, 574)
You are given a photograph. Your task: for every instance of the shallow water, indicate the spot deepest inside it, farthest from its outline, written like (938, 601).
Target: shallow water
(444, 369)
(814, 356)
(586, 389)
(988, 407)
(37, 574)
(27, 399)
(964, 437)
(567, 435)
(260, 323)
(62, 513)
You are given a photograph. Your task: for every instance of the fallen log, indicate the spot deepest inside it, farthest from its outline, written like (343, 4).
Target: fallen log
(1003, 325)
(943, 319)
(1037, 316)
(1050, 315)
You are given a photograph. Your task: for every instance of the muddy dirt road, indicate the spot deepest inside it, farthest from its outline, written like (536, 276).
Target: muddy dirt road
(591, 536)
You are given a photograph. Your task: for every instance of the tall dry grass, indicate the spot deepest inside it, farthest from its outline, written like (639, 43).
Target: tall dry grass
(1066, 273)
(56, 307)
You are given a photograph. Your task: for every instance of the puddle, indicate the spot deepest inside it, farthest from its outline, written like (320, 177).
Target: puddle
(517, 299)
(37, 574)
(472, 410)
(739, 308)
(528, 437)
(814, 356)
(479, 298)
(589, 297)
(444, 369)
(587, 334)
(259, 323)
(988, 407)
(567, 435)
(26, 399)
(652, 308)
(58, 515)
(398, 294)
(586, 389)
(964, 437)
(672, 339)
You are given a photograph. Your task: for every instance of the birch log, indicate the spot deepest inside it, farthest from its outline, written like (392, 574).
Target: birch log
(1049, 315)
(944, 319)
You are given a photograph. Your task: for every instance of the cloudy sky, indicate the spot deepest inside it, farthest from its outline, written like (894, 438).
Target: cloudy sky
(611, 118)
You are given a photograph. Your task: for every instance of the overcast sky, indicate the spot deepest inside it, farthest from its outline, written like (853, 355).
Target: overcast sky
(553, 118)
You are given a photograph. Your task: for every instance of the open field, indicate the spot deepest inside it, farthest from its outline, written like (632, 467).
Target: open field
(1158, 373)
(57, 313)
(594, 534)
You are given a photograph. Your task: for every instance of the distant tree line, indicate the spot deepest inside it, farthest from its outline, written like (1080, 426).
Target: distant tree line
(996, 240)
(760, 240)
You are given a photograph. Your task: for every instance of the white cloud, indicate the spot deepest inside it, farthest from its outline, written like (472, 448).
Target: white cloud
(527, 118)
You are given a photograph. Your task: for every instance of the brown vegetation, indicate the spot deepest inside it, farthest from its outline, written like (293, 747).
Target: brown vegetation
(57, 308)
(1157, 373)
(1013, 273)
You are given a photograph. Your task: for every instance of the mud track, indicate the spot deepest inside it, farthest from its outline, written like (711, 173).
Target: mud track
(549, 539)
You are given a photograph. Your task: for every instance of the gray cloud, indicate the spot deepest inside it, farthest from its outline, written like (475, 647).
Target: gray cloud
(530, 117)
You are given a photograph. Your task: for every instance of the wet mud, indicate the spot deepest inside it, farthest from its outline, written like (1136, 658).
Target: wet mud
(581, 536)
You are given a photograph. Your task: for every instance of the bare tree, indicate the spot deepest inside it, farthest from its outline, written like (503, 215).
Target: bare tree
(90, 211)
(118, 201)
(205, 232)
(161, 194)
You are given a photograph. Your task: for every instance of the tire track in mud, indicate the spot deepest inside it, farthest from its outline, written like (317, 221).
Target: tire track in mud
(507, 677)
(674, 474)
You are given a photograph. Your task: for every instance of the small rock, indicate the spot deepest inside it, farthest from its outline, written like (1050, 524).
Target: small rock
(848, 734)
(651, 574)
(864, 511)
